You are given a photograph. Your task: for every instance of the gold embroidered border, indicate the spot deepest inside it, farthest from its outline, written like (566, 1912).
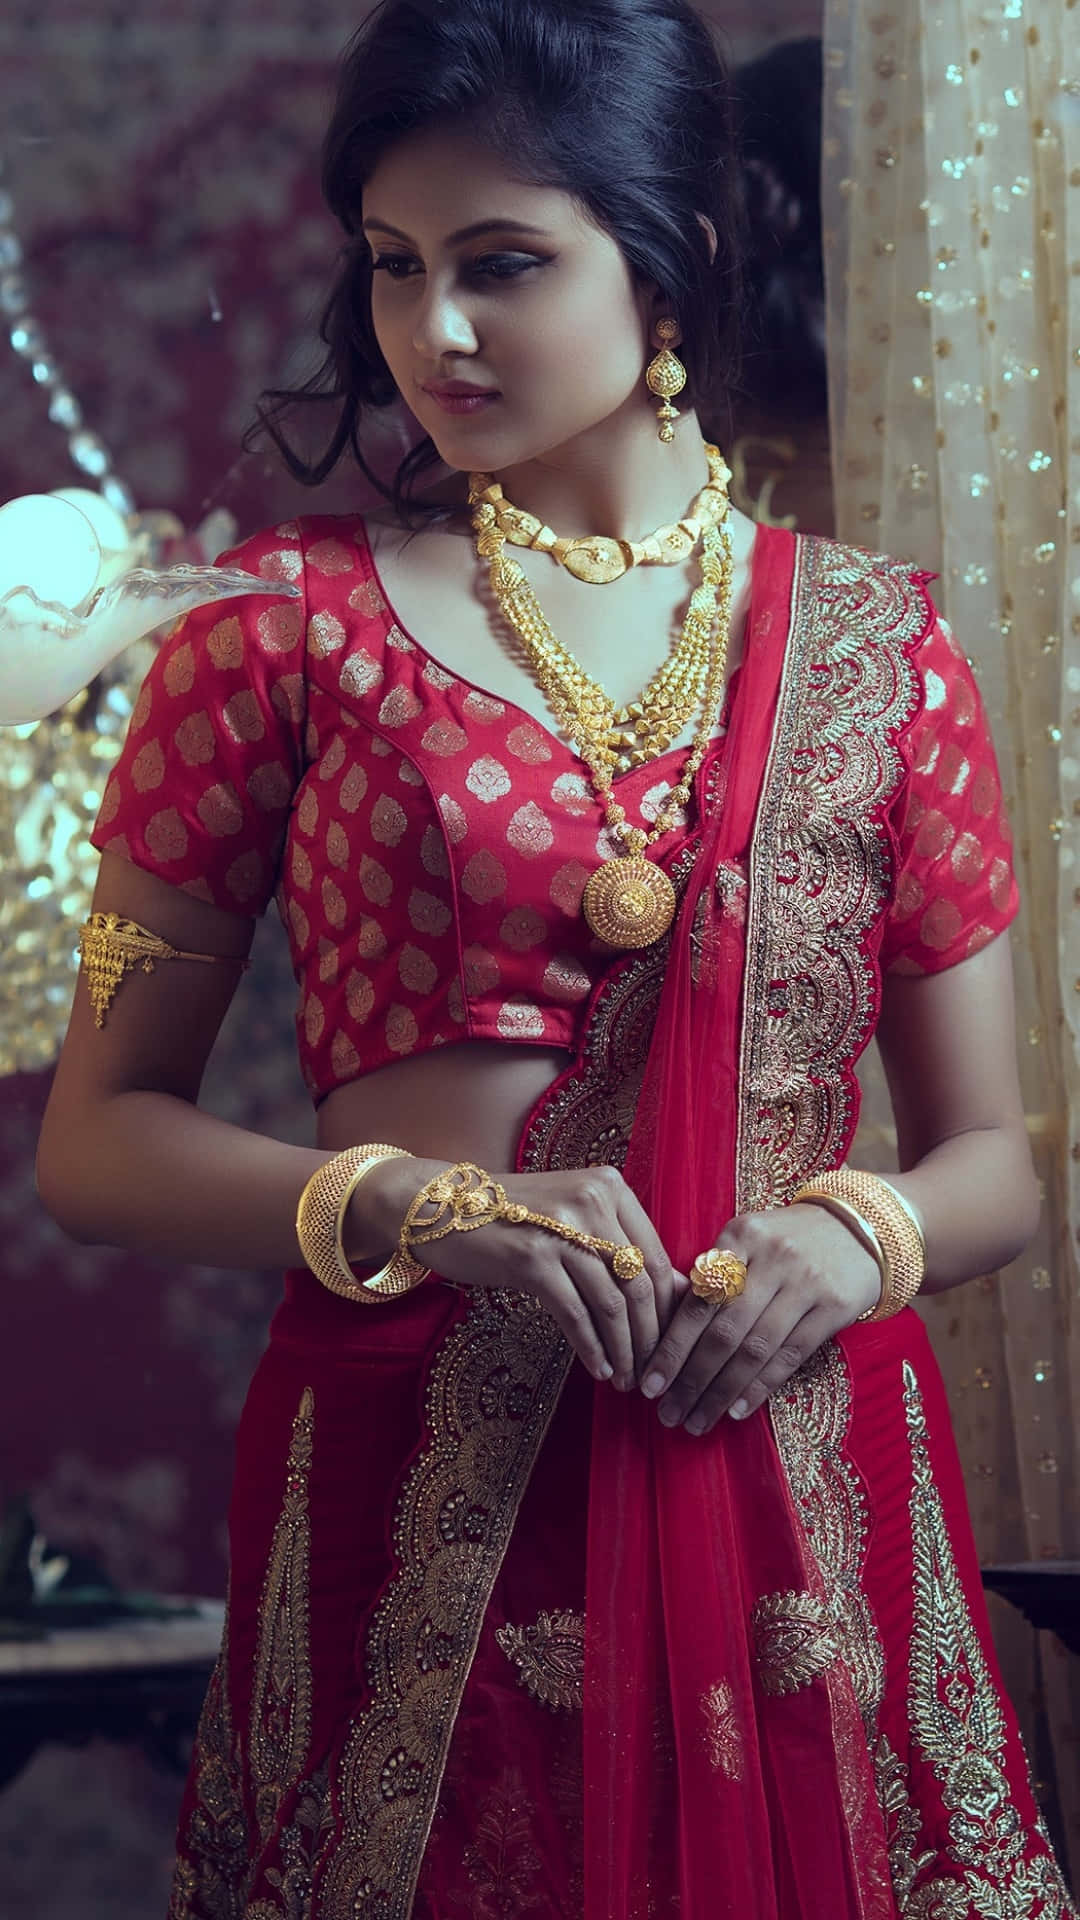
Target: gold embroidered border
(958, 1725)
(281, 1688)
(493, 1391)
(820, 865)
(212, 1857)
(798, 1635)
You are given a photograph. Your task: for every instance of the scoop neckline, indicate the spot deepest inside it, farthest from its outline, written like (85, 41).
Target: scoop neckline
(511, 706)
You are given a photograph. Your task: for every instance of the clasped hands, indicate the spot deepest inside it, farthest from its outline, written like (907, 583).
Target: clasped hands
(807, 1277)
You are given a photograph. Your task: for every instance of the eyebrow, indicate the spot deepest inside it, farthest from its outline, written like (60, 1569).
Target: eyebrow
(463, 233)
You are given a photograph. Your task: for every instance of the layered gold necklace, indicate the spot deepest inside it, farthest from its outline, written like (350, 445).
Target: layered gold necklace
(628, 901)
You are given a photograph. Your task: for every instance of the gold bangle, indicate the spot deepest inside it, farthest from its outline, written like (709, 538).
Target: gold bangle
(895, 1226)
(856, 1224)
(320, 1223)
(464, 1197)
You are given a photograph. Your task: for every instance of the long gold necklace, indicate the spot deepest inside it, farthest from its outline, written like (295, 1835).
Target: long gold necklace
(599, 560)
(646, 727)
(628, 901)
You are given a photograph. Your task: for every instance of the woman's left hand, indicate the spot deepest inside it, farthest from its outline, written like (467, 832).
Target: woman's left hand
(807, 1277)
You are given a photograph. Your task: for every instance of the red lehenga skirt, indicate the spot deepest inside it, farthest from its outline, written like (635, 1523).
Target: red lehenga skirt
(499, 1643)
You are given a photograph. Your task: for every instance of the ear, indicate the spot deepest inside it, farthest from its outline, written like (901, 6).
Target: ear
(710, 235)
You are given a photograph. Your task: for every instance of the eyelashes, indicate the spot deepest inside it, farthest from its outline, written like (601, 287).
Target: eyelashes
(492, 267)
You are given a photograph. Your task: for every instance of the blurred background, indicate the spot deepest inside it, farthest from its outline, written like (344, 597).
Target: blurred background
(162, 167)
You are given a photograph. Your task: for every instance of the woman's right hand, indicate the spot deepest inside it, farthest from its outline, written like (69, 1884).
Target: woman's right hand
(612, 1325)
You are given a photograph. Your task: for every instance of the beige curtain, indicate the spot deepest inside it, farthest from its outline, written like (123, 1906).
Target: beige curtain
(952, 223)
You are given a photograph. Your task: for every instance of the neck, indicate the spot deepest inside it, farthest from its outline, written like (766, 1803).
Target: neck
(618, 480)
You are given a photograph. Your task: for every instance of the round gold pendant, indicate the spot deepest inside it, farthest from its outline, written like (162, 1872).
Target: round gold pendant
(597, 561)
(629, 902)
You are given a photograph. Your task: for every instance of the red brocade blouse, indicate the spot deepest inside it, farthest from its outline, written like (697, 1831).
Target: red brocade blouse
(428, 844)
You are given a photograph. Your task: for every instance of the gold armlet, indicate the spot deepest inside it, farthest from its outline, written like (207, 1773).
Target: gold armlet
(890, 1219)
(320, 1229)
(110, 947)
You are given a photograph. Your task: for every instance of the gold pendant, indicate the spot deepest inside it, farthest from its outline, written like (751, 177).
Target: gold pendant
(597, 561)
(629, 902)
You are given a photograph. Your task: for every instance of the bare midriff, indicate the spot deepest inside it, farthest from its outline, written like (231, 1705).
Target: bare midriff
(467, 1102)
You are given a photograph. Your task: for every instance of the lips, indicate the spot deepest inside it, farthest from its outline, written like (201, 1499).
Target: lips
(457, 390)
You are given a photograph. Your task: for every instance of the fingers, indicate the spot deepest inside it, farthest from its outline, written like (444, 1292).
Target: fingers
(776, 1346)
(562, 1294)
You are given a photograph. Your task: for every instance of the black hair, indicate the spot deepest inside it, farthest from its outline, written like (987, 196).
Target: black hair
(779, 131)
(626, 105)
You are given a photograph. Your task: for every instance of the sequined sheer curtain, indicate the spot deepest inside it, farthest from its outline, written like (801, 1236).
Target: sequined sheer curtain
(952, 218)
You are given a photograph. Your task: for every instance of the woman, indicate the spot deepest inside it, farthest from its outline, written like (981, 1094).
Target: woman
(585, 1574)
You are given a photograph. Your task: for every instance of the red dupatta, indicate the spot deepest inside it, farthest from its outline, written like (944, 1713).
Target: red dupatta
(706, 1795)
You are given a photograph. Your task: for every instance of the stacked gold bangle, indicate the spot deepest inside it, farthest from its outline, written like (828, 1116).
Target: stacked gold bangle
(458, 1200)
(320, 1225)
(884, 1222)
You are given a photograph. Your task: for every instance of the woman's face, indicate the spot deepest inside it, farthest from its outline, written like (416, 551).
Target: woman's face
(539, 310)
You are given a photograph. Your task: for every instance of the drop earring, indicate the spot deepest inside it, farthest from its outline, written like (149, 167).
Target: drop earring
(666, 376)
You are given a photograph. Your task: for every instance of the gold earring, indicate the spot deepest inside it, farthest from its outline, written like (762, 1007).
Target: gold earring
(666, 377)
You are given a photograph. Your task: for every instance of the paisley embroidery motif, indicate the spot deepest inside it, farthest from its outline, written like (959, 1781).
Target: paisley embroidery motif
(795, 1640)
(723, 1735)
(549, 1657)
(958, 1725)
(212, 1859)
(820, 869)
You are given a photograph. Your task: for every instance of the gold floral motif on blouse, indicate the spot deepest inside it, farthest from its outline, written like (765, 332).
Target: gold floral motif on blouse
(958, 1725)
(549, 1657)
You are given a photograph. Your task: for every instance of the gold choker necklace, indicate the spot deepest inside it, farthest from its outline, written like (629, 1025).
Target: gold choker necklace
(597, 559)
(629, 901)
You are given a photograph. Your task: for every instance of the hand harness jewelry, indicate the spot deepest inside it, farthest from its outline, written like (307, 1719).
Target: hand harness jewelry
(465, 1198)
(110, 947)
(628, 901)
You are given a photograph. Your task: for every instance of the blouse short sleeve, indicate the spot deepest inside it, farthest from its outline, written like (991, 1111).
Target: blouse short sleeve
(214, 752)
(955, 886)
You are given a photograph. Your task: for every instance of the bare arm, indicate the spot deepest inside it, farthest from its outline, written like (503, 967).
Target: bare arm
(126, 1157)
(948, 1045)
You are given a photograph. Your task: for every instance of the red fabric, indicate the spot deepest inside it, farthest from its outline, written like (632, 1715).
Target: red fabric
(295, 745)
(703, 1795)
(432, 842)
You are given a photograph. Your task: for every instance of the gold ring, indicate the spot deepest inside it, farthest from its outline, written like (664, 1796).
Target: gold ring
(627, 1262)
(718, 1276)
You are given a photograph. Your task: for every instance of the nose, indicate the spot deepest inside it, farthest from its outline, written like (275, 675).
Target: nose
(442, 325)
